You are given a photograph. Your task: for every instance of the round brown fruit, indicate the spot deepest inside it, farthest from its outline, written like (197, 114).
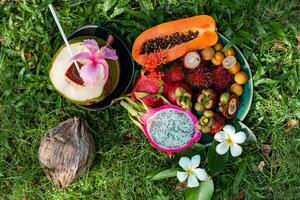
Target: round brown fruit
(218, 47)
(241, 77)
(216, 62)
(208, 53)
(229, 52)
(237, 89)
(219, 56)
(235, 69)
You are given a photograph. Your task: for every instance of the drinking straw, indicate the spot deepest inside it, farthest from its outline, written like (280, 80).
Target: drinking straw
(62, 33)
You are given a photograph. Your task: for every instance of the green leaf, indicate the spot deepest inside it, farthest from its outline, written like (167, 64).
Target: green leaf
(203, 192)
(216, 162)
(251, 138)
(108, 4)
(239, 176)
(277, 28)
(158, 175)
(190, 152)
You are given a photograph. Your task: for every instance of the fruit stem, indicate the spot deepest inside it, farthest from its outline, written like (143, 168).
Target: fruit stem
(129, 108)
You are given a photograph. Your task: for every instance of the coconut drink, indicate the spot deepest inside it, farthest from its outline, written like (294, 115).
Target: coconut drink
(96, 75)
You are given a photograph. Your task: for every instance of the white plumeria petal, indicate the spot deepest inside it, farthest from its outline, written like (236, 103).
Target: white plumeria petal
(239, 137)
(195, 161)
(229, 129)
(220, 136)
(185, 162)
(192, 181)
(182, 176)
(200, 174)
(222, 148)
(235, 150)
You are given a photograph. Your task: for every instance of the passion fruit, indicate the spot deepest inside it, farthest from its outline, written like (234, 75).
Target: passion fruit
(241, 77)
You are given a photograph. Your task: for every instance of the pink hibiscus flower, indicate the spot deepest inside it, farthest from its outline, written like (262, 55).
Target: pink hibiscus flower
(97, 64)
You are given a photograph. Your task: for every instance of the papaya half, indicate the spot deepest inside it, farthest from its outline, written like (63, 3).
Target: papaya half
(174, 39)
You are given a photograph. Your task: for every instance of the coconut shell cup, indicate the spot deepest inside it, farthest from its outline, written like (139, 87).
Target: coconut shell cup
(115, 86)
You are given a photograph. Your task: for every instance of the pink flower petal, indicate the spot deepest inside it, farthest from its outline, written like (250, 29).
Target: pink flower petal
(107, 53)
(90, 73)
(84, 55)
(105, 70)
(92, 45)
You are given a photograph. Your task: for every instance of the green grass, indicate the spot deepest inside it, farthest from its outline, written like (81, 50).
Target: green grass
(266, 33)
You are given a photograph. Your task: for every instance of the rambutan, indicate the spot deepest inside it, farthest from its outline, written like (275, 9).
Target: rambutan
(174, 73)
(200, 77)
(222, 79)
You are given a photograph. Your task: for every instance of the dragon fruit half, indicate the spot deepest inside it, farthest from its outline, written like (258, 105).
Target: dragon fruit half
(169, 128)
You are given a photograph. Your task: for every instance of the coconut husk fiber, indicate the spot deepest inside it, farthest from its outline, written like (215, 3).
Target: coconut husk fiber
(67, 151)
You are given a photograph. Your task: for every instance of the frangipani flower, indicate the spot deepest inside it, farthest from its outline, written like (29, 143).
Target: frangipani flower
(97, 64)
(192, 173)
(230, 140)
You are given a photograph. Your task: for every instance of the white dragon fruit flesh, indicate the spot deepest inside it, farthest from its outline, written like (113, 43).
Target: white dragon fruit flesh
(169, 128)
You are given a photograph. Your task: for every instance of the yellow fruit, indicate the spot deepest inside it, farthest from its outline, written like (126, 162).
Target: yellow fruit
(216, 62)
(218, 47)
(207, 53)
(236, 89)
(219, 56)
(235, 69)
(229, 52)
(241, 77)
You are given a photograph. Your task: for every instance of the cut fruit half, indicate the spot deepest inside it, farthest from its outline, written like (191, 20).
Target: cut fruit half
(66, 80)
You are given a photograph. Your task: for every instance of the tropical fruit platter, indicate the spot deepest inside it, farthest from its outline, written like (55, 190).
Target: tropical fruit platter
(186, 69)
(189, 98)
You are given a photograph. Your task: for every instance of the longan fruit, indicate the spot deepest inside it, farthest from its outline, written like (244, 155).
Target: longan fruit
(241, 77)
(216, 62)
(207, 53)
(218, 47)
(219, 56)
(229, 52)
(237, 89)
(235, 69)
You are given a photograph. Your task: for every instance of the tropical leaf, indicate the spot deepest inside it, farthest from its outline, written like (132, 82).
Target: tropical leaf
(158, 175)
(203, 192)
(216, 162)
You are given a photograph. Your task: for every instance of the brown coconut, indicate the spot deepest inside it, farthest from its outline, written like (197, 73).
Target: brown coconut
(67, 151)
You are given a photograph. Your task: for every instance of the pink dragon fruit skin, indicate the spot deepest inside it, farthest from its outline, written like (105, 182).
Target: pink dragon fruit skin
(146, 122)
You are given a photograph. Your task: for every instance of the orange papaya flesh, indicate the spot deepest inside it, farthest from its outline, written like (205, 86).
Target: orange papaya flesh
(174, 39)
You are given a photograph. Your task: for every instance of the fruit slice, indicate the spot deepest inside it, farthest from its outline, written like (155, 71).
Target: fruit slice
(174, 39)
(228, 105)
(168, 128)
(66, 80)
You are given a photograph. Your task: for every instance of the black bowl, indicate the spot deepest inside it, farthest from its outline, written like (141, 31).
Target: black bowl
(127, 65)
